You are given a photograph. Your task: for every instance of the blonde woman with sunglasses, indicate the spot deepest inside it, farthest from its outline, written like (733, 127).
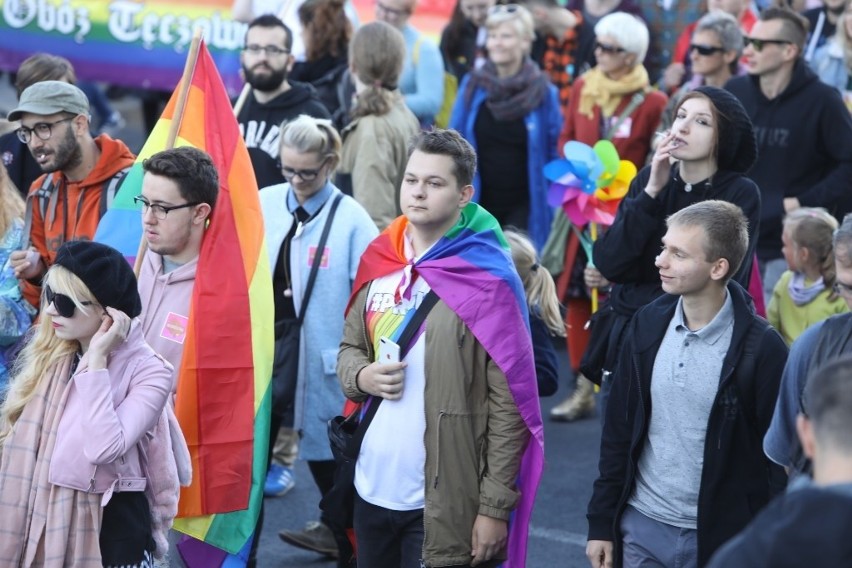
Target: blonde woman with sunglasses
(77, 425)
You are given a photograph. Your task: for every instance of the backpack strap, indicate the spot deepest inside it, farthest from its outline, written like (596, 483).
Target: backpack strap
(41, 195)
(110, 191)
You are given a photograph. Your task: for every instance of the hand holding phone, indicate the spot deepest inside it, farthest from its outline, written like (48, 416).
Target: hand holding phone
(388, 351)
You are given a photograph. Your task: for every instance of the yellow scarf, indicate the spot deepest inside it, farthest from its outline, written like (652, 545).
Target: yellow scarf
(600, 90)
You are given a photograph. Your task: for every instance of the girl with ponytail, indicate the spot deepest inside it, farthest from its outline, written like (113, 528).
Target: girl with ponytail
(545, 317)
(805, 294)
(375, 144)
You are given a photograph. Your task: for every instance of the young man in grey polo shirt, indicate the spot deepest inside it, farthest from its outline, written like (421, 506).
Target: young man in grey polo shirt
(677, 482)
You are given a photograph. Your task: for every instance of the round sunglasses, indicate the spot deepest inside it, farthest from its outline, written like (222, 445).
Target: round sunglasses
(64, 305)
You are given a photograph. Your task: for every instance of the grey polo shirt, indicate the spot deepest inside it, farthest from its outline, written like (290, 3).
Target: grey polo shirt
(685, 379)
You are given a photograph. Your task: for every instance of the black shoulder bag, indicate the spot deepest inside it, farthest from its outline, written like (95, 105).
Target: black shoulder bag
(345, 434)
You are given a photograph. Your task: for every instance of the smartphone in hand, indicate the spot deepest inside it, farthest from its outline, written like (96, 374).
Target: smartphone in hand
(388, 351)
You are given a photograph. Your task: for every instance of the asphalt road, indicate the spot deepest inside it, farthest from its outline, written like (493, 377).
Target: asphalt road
(558, 529)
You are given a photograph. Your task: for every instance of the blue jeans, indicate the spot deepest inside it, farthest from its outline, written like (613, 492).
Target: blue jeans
(647, 543)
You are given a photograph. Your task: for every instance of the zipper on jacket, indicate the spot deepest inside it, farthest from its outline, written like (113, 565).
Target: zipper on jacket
(92, 481)
(438, 457)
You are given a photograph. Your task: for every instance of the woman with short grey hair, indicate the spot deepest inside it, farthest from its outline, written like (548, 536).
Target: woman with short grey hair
(715, 51)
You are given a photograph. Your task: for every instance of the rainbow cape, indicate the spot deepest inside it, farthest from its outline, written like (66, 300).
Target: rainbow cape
(223, 393)
(471, 270)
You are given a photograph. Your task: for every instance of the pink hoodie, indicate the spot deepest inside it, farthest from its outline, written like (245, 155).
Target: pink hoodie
(165, 306)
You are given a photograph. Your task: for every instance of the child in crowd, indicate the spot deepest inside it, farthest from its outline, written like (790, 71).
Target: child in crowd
(78, 459)
(805, 293)
(545, 319)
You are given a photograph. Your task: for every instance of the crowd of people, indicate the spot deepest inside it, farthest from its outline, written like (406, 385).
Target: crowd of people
(421, 276)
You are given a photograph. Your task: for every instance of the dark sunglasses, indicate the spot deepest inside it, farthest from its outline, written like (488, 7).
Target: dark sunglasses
(64, 305)
(609, 48)
(759, 44)
(705, 50)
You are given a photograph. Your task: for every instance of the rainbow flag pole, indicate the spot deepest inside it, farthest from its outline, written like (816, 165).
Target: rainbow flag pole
(223, 395)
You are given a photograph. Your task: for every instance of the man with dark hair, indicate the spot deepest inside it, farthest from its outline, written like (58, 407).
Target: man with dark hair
(819, 344)
(266, 62)
(22, 167)
(461, 393)
(692, 398)
(81, 174)
(179, 191)
(803, 130)
(785, 534)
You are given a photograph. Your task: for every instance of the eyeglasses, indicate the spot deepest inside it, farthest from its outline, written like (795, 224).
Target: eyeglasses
(43, 130)
(759, 44)
(306, 175)
(609, 48)
(269, 50)
(842, 289)
(64, 305)
(705, 50)
(160, 211)
(393, 11)
(503, 9)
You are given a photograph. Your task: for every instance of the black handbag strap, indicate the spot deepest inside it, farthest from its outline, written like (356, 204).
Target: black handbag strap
(318, 254)
(404, 342)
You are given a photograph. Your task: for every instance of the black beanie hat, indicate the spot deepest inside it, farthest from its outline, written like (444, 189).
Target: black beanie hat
(105, 272)
(737, 145)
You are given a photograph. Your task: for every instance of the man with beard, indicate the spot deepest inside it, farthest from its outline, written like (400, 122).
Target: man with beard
(81, 172)
(266, 62)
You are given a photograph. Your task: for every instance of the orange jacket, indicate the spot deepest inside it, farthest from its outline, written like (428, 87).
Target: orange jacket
(77, 208)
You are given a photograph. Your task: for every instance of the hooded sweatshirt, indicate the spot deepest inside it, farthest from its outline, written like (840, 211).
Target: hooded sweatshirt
(804, 139)
(77, 211)
(260, 126)
(165, 306)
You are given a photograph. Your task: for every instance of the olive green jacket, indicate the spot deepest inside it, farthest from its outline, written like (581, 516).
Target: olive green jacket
(474, 438)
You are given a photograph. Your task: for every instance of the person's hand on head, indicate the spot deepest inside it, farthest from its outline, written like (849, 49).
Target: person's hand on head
(115, 325)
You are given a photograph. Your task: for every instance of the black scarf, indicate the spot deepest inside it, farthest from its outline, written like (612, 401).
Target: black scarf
(509, 98)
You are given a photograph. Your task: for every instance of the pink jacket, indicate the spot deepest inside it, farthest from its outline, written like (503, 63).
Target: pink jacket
(165, 306)
(107, 415)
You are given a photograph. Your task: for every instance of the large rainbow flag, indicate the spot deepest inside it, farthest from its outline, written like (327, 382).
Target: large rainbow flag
(223, 395)
(471, 270)
(142, 43)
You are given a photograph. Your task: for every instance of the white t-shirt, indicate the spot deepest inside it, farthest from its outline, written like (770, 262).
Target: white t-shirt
(390, 468)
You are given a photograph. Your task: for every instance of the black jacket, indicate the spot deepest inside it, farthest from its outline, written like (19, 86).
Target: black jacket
(625, 253)
(805, 527)
(737, 479)
(804, 140)
(260, 125)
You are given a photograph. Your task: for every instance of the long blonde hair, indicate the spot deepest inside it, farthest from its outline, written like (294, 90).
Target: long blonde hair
(43, 350)
(538, 283)
(11, 202)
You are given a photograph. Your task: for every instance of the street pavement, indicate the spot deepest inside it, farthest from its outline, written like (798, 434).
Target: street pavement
(558, 529)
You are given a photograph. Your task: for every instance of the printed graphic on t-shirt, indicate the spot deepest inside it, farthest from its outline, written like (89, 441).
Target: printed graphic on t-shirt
(326, 254)
(174, 329)
(385, 318)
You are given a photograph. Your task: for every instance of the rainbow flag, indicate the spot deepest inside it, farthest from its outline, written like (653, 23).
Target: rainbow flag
(471, 270)
(141, 44)
(223, 395)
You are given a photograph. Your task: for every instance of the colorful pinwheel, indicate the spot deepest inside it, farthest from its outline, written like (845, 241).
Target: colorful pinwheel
(589, 183)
